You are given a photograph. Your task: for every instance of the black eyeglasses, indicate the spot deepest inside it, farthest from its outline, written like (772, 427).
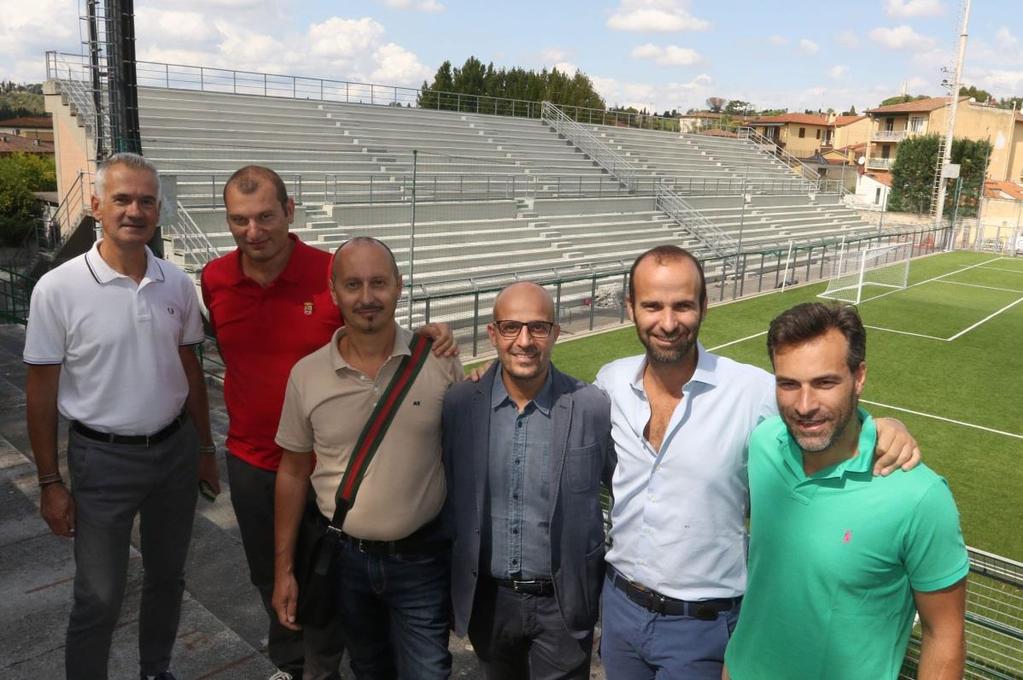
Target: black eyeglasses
(536, 329)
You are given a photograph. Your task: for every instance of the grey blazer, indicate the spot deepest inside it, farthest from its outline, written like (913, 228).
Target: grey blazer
(582, 456)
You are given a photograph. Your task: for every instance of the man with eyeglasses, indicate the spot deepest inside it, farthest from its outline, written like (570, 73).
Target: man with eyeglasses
(525, 451)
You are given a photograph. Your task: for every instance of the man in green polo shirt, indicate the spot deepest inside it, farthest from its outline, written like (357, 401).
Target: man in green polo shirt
(838, 558)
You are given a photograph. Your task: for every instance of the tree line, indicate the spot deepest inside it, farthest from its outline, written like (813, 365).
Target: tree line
(474, 86)
(913, 175)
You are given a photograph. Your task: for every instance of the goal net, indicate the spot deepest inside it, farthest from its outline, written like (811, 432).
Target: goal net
(861, 274)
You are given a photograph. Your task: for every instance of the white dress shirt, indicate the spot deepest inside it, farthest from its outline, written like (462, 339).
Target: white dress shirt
(678, 522)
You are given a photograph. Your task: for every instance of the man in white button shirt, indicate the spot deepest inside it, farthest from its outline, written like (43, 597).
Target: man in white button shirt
(110, 346)
(680, 419)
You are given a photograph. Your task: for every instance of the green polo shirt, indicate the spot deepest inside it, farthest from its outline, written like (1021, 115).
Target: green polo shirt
(834, 560)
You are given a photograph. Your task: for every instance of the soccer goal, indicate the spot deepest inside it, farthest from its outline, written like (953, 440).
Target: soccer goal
(861, 274)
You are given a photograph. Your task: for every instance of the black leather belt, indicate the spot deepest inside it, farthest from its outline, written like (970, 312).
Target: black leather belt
(534, 586)
(705, 610)
(131, 439)
(422, 540)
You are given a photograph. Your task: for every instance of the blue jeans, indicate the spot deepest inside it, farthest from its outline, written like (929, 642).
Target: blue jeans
(395, 614)
(637, 644)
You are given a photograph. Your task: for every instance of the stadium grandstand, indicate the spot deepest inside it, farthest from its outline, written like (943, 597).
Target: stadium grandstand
(502, 189)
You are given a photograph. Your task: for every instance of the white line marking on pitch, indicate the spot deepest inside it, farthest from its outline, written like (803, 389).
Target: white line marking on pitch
(1007, 271)
(944, 419)
(916, 335)
(986, 318)
(935, 278)
(977, 285)
(736, 342)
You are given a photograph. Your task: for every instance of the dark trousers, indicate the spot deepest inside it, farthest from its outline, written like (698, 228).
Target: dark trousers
(395, 612)
(523, 637)
(637, 644)
(111, 484)
(308, 654)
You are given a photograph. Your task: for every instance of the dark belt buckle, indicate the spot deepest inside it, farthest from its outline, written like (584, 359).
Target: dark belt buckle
(656, 602)
(705, 612)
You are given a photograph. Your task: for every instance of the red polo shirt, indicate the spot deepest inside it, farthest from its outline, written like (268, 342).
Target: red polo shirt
(262, 332)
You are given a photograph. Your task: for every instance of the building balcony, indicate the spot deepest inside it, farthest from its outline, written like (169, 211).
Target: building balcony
(879, 163)
(889, 135)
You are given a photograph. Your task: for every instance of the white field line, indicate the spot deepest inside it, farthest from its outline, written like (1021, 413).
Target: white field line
(986, 318)
(935, 278)
(736, 342)
(1007, 271)
(977, 285)
(944, 419)
(915, 335)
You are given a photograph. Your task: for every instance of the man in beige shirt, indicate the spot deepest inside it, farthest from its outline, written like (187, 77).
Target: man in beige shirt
(393, 562)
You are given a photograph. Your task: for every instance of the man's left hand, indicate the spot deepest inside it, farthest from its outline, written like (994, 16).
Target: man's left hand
(444, 344)
(896, 447)
(209, 473)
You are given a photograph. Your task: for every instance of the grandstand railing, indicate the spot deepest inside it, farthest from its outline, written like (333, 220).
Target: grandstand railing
(190, 240)
(691, 219)
(598, 150)
(802, 169)
(73, 207)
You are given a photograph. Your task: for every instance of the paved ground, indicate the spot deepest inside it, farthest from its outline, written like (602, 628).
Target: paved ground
(223, 627)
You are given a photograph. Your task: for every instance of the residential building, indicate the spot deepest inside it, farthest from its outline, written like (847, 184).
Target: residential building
(800, 134)
(892, 124)
(29, 127)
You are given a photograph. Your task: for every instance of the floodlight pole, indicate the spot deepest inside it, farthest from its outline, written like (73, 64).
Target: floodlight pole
(412, 238)
(953, 107)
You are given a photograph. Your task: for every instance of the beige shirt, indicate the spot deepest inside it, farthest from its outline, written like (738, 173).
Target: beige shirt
(326, 405)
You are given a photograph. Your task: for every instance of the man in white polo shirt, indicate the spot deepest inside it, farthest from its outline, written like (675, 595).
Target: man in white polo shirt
(110, 346)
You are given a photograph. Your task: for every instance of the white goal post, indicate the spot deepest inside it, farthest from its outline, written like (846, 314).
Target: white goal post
(861, 274)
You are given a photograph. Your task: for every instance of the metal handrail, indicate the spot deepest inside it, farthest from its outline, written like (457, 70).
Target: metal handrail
(70, 212)
(599, 151)
(805, 171)
(192, 238)
(693, 220)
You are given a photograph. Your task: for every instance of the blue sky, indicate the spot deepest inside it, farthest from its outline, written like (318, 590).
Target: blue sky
(660, 54)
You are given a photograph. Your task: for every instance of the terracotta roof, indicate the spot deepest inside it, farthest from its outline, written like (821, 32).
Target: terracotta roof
(15, 144)
(862, 146)
(993, 189)
(798, 118)
(28, 122)
(847, 120)
(916, 106)
(881, 176)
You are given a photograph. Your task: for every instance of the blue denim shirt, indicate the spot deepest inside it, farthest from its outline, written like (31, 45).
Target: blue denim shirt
(517, 542)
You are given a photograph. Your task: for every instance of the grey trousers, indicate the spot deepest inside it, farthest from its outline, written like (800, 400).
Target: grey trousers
(111, 484)
(309, 654)
(523, 637)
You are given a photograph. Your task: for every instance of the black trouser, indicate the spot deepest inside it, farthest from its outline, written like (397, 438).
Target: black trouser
(523, 637)
(309, 654)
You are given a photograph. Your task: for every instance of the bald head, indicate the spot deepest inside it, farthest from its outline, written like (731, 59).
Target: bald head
(525, 294)
(361, 244)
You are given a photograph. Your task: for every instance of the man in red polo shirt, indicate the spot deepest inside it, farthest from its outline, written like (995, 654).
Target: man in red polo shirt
(270, 305)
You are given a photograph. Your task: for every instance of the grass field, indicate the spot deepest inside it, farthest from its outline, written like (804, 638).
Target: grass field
(944, 355)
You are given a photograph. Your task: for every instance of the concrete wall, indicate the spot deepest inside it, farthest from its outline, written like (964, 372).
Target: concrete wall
(73, 150)
(854, 133)
(806, 146)
(1001, 211)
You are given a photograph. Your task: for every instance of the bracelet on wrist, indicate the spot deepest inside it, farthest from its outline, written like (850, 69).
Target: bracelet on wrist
(52, 478)
(208, 450)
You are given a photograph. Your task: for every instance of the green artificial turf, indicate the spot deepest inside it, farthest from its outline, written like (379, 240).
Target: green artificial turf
(976, 378)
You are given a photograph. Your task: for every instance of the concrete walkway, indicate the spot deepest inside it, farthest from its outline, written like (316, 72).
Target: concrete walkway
(223, 626)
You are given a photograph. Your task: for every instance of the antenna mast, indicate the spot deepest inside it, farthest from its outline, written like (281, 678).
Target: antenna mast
(946, 147)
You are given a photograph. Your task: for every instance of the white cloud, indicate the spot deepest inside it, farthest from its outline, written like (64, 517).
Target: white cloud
(655, 98)
(913, 8)
(778, 40)
(344, 38)
(397, 65)
(838, 71)
(809, 47)
(1005, 39)
(175, 26)
(28, 29)
(420, 5)
(553, 54)
(566, 67)
(669, 55)
(901, 38)
(655, 16)
(848, 39)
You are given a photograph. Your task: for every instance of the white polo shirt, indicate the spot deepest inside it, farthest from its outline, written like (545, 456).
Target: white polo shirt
(116, 341)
